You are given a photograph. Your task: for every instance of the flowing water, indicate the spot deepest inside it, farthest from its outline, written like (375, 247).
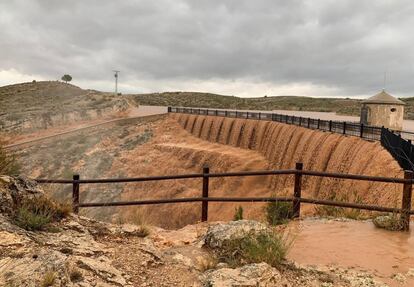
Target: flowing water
(354, 244)
(283, 145)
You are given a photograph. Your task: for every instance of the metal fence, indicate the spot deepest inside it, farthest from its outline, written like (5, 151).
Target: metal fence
(346, 128)
(296, 198)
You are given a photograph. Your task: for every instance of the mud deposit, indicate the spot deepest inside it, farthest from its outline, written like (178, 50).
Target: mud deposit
(357, 245)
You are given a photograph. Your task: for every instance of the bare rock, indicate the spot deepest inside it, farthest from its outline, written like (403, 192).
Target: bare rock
(14, 189)
(218, 234)
(260, 274)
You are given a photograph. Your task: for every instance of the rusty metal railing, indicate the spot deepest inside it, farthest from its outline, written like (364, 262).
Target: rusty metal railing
(297, 199)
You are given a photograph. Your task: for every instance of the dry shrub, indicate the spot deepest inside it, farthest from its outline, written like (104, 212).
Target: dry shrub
(48, 279)
(37, 212)
(278, 212)
(205, 264)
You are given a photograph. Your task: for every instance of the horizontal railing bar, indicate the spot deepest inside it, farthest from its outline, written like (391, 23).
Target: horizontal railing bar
(350, 205)
(245, 199)
(253, 173)
(355, 176)
(231, 174)
(63, 181)
(193, 199)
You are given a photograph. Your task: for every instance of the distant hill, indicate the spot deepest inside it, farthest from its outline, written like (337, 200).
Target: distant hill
(207, 100)
(41, 104)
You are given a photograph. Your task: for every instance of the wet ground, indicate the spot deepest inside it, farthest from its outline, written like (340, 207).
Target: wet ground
(355, 244)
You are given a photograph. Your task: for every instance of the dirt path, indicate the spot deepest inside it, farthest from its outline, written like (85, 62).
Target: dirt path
(59, 131)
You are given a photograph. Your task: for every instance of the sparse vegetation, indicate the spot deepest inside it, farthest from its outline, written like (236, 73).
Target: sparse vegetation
(238, 213)
(278, 212)
(36, 213)
(205, 264)
(8, 162)
(390, 222)
(48, 279)
(269, 247)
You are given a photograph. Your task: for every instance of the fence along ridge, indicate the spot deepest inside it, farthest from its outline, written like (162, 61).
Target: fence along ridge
(405, 211)
(401, 149)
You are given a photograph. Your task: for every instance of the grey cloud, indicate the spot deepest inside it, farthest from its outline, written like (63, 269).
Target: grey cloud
(342, 44)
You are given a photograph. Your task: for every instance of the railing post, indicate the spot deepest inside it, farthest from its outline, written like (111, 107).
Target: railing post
(75, 194)
(361, 132)
(297, 191)
(169, 109)
(308, 122)
(260, 115)
(204, 206)
(319, 123)
(216, 112)
(330, 126)
(344, 131)
(406, 201)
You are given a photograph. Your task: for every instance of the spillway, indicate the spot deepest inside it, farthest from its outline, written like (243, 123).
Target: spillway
(283, 145)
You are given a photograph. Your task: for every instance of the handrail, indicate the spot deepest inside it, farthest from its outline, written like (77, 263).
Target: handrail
(296, 199)
(233, 174)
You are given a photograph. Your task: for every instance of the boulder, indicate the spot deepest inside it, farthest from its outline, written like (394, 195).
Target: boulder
(218, 234)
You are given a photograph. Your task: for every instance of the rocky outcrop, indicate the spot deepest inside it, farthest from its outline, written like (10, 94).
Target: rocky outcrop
(218, 234)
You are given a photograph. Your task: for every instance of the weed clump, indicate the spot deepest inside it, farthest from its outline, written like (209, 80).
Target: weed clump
(37, 212)
(238, 214)
(278, 212)
(265, 246)
(48, 279)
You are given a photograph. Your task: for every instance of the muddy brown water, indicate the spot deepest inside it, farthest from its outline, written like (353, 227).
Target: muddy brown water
(354, 244)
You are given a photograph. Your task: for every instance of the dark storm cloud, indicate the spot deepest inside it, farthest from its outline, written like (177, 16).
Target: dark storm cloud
(346, 45)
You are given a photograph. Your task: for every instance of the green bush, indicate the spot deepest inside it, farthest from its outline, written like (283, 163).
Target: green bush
(278, 212)
(36, 213)
(268, 247)
(27, 219)
(238, 213)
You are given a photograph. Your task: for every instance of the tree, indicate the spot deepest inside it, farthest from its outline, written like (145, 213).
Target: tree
(67, 78)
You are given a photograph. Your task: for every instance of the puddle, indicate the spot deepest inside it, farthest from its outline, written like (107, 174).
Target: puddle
(354, 244)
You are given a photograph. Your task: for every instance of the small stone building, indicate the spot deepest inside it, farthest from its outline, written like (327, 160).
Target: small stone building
(383, 110)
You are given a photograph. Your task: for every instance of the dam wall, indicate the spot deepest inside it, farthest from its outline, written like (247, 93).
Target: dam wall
(283, 145)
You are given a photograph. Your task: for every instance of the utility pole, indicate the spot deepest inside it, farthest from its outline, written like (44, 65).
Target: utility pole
(116, 81)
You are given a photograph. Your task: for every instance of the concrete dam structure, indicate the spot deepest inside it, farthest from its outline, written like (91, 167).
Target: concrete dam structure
(283, 145)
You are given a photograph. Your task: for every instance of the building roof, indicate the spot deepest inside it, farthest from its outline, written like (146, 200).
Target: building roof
(383, 98)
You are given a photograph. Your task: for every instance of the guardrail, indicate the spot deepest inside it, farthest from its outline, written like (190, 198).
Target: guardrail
(346, 128)
(296, 199)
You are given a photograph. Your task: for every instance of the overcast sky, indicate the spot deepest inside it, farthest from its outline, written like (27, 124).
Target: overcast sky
(245, 48)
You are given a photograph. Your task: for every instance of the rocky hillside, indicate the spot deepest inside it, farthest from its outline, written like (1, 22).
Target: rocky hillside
(40, 105)
(76, 251)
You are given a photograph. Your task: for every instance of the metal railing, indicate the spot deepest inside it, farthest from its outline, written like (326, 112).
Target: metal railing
(346, 128)
(296, 198)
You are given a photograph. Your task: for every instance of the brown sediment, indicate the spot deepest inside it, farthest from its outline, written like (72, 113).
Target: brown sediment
(283, 145)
